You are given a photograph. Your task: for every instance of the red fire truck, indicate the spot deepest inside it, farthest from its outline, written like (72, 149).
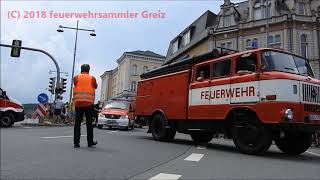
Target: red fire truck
(11, 110)
(254, 97)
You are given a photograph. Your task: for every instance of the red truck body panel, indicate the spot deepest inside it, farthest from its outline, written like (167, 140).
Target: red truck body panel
(168, 93)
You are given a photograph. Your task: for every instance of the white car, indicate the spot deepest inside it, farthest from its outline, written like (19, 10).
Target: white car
(117, 113)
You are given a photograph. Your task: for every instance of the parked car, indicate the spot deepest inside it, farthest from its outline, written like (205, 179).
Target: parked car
(117, 113)
(11, 110)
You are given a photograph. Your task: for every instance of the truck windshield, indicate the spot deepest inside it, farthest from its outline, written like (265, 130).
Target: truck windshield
(117, 105)
(278, 61)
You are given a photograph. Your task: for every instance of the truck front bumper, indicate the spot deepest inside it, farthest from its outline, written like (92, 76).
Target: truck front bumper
(122, 122)
(19, 116)
(302, 127)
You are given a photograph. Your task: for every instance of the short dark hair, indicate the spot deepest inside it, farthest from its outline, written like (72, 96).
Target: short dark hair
(85, 68)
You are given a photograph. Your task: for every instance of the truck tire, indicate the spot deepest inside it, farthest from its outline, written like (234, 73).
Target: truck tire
(250, 136)
(294, 143)
(159, 129)
(201, 137)
(7, 120)
(100, 126)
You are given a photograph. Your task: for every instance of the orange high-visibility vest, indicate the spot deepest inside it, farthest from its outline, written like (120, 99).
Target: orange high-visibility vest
(83, 91)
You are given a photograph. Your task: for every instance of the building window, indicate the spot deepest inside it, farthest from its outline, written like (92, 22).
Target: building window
(277, 39)
(133, 86)
(145, 69)
(267, 11)
(255, 43)
(226, 21)
(258, 13)
(175, 46)
(248, 43)
(304, 46)
(223, 45)
(270, 40)
(186, 37)
(229, 45)
(134, 69)
(301, 8)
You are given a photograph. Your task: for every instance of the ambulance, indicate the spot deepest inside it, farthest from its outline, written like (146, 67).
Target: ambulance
(254, 97)
(11, 110)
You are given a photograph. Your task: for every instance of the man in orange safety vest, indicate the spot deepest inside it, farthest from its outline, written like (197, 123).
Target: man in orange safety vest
(83, 98)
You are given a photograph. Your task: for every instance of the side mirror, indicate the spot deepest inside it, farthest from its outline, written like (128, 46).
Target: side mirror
(252, 68)
(263, 67)
(131, 109)
(200, 79)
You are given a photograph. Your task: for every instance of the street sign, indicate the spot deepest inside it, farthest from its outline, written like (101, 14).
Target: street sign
(15, 52)
(43, 98)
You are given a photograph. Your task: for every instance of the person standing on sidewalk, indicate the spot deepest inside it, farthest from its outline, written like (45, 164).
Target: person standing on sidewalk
(83, 98)
(58, 105)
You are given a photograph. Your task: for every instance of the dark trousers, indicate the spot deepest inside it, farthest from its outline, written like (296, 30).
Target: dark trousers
(88, 112)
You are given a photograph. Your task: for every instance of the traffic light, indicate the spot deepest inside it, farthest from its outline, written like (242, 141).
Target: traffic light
(52, 83)
(63, 85)
(15, 52)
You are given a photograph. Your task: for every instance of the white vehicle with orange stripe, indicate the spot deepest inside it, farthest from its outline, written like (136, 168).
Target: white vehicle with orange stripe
(11, 110)
(254, 97)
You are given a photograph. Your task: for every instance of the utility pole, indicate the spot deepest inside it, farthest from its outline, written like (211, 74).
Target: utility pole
(75, 49)
(267, 24)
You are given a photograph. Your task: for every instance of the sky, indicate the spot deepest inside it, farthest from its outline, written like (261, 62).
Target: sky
(24, 78)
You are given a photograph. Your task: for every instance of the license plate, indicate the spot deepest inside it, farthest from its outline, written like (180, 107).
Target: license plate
(314, 117)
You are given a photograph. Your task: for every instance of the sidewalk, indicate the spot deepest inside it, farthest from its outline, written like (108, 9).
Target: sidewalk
(35, 122)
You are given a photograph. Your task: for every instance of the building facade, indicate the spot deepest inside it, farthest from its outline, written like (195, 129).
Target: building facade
(291, 25)
(122, 81)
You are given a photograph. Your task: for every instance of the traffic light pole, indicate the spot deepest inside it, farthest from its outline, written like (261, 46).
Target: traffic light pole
(44, 52)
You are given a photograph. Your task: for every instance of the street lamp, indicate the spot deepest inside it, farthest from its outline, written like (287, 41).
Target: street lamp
(75, 48)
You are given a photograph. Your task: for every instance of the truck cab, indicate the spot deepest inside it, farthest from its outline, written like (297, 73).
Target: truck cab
(11, 110)
(254, 97)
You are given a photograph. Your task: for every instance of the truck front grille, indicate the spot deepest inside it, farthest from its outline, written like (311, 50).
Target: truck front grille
(311, 108)
(310, 93)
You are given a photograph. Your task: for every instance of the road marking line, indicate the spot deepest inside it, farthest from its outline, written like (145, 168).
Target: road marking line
(166, 176)
(313, 153)
(201, 147)
(112, 131)
(194, 157)
(56, 137)
(27, 127)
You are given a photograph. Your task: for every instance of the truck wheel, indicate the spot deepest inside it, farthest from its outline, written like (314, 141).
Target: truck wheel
(250, 136)
(7, 120)
(159, 130)
(294, 143)
(100, 126)
(201, 137)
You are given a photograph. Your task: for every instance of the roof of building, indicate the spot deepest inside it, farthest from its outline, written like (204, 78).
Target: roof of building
(199, 33)
(147, 53)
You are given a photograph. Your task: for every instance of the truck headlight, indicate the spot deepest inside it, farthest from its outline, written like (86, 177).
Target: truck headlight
(288, 114)
(101, 115)
(125, 117)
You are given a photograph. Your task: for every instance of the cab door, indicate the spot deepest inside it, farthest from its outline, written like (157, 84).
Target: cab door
(245, 82)
(199, 92)
(220, 89)
(3, 101)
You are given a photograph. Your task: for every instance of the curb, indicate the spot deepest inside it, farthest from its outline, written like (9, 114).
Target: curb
(45, 125)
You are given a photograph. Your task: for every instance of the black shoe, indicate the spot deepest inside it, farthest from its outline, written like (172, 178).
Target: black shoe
(76, 146)
(93, 143)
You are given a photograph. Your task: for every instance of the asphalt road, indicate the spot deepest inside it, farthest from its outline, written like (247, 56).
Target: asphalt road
(48, 153)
